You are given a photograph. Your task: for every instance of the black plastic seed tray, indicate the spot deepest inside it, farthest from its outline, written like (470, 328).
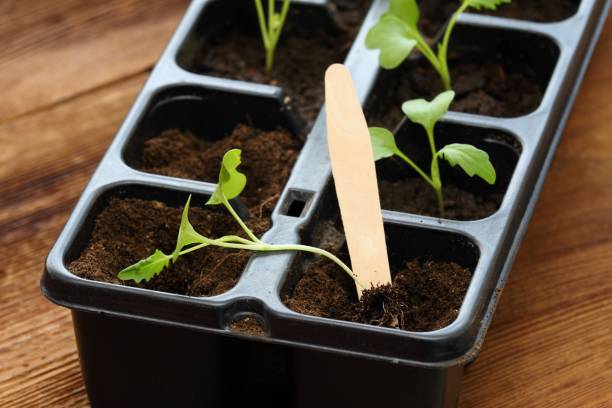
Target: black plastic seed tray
(187, 356)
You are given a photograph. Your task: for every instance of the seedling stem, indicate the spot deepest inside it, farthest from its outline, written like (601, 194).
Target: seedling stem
(272, 28)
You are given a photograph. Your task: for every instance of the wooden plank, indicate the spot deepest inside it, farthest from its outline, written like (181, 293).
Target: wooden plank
(54, 50)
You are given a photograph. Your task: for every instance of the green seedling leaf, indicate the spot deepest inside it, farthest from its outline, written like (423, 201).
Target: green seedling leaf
(275, 22)
(486, 4)
(147, 268)
(383, 143)
(405, 10)
(394, 38)
(471, 159)
(231, 181)
(187, 234)
(427, 113)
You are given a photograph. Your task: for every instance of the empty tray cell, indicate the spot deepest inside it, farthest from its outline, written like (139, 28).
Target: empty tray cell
(465, 198)
(495, 72)
(185, 132)
(129, 222)
(226, 42)
(432, 270)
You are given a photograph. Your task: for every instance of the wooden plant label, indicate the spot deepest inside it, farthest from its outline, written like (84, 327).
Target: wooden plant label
(350, 151)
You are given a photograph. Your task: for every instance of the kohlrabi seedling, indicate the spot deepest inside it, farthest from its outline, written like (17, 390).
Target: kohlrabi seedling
(396, 34)
(472, 160)
(272, 28)
(231, 184)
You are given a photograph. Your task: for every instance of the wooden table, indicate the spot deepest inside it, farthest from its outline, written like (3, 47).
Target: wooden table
(70, 70)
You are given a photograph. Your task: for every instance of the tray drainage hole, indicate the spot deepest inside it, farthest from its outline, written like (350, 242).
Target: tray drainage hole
(248, 324)
(296, 208)
(296, 204)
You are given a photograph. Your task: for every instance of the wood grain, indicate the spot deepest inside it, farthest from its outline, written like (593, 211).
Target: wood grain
(70, 70)
(54, 50)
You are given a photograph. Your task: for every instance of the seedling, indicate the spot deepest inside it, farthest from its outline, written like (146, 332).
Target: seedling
(231, 183)
(471, 159)
(396, 34)
(272, 28)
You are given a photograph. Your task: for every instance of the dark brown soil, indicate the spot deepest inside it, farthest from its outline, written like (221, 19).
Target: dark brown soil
(130, 229)
(415, 196)
(436, 13)
(538, 10)
(483, 85)
(302, 56)
(247, 325)
(425, 295)
(267, 160)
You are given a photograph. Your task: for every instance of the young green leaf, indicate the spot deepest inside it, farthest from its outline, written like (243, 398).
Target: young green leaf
(275, 22)
(231, 181)
(427, 113)
(471, 159)
(147, 268)
(486, 4)
(394, 38)
(383, 143)
(187, 234)
(407, 11)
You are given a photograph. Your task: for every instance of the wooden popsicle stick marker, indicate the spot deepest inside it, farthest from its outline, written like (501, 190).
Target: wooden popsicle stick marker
(350, 152)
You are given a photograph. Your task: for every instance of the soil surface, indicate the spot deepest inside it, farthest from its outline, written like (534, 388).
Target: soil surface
(425, 295)
(247, 325)
(538, 10)
(436, 13)
(483, 85)
(267, 160)
(415, 196)
(302, 56)
(130, 229)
